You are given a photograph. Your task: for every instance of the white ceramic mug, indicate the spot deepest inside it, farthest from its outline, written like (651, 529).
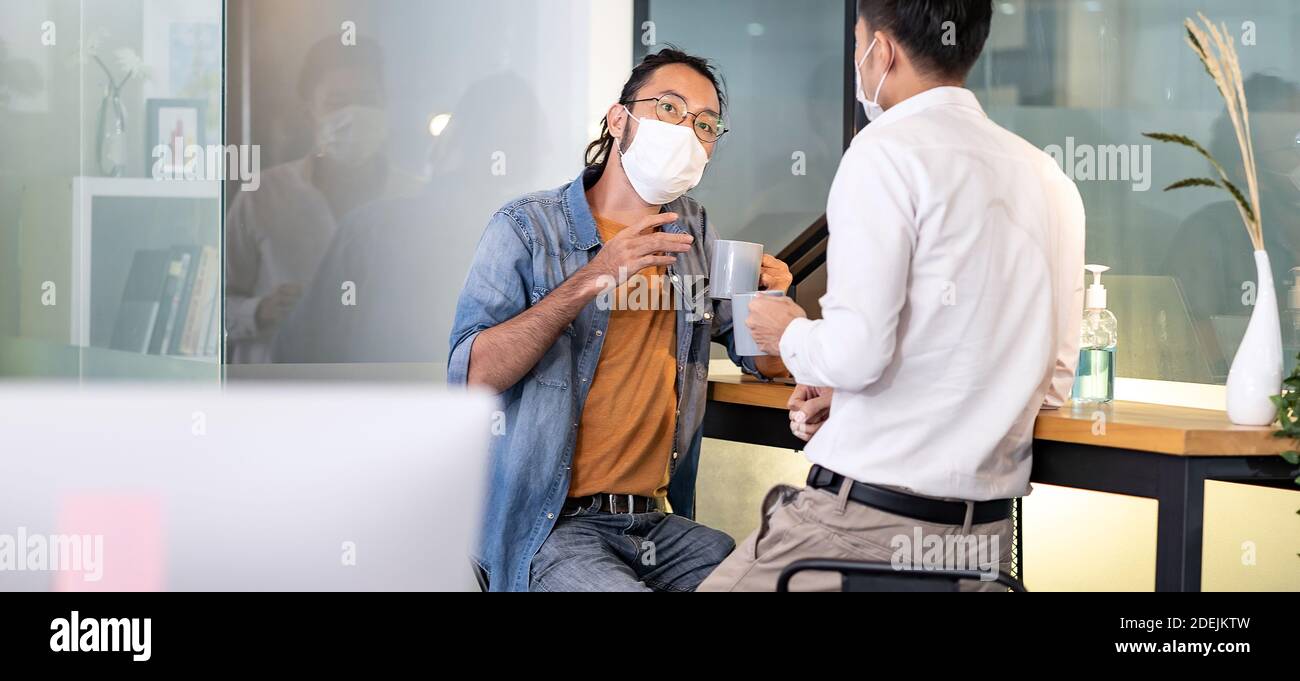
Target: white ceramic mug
(744, 340)
(735, 268)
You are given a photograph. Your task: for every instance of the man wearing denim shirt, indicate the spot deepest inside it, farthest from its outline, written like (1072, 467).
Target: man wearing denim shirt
(603, 386)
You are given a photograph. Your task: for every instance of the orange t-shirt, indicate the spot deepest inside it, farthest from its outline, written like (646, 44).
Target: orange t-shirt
(625, 437)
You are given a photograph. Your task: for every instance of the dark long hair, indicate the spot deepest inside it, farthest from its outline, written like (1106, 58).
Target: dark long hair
(599, 150)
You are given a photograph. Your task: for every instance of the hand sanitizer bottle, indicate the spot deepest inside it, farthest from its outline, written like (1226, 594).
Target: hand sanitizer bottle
(1094, 380)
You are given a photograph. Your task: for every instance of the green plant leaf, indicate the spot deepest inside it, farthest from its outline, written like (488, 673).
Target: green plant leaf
(1292, 457)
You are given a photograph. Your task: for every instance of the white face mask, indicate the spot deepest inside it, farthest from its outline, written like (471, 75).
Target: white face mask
(871, 106)
(664, 161)
(352, 135)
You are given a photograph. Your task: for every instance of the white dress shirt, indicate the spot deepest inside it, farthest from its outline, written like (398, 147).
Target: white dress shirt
(953, 302)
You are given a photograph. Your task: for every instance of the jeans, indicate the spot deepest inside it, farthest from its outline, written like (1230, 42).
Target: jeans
(594, 551)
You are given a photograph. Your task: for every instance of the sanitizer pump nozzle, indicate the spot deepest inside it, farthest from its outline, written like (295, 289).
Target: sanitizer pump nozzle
(1095, 299)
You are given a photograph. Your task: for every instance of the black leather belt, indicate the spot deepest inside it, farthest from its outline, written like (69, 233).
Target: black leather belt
(610, 503)
(911, 506)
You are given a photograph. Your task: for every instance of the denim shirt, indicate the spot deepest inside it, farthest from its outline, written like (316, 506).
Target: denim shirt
(530, 246)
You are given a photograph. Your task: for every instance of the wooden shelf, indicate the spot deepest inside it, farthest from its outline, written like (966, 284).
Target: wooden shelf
(1177, 431)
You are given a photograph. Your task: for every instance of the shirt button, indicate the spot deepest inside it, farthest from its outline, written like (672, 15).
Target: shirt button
(708, 316)
(674, 456)
(674, 277)
(584, 380)
(599, 332)
(550, 516)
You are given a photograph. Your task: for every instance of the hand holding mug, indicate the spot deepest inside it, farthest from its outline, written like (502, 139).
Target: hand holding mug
(768, 318)
(774, 275)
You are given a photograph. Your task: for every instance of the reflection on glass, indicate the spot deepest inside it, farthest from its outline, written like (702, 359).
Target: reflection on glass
(109, 268)
(1083, 80)
(390, 153)
(398, 252)
(277, 234)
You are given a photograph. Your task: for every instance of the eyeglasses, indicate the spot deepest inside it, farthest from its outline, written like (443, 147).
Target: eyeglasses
(671, 109)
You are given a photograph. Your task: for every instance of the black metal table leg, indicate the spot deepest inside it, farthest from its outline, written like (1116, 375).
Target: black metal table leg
(1180, 523)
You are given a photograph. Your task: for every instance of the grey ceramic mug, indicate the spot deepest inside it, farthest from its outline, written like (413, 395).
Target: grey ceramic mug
(735, 268)
(745, 345)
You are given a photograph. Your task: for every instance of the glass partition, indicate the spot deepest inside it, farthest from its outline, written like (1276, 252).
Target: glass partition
(363, 147)
(389, 133)
(110, 230)
(1083, 79)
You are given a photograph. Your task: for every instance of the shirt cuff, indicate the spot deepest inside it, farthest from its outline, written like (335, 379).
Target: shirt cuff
(749, 366)
(241, 317)
(793, 342)
(458, 362)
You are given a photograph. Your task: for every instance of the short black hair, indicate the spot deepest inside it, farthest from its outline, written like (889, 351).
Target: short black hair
(938, 47)
(598, 151)
(329, 54)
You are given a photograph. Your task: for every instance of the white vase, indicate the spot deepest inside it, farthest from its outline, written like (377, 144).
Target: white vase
(1256, 372)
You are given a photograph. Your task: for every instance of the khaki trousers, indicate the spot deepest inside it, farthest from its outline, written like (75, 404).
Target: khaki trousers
(808, 523)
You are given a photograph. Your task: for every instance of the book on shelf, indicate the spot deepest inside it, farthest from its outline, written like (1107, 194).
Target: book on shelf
(203, 297)
(142, 296)
(212, 344)
(169, 303)
(176, 325)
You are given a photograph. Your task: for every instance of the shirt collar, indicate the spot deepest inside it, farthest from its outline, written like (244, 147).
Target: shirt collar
(582, 225)
(946, 95)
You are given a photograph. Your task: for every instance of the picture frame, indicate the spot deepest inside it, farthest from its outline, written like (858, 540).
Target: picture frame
(168, 119)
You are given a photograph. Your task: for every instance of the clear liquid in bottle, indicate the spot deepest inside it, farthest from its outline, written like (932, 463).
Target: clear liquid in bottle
(1094, 380)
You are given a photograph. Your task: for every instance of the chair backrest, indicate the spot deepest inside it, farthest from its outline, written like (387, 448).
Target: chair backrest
(866, 576)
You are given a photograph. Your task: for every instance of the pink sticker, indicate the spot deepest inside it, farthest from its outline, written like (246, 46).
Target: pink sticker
(109, 542)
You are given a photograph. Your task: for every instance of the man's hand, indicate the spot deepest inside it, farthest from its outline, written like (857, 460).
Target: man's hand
(632, 250)
(809, 406)
(768, 318)
(775, 275)
(277, 304)
(505, 353)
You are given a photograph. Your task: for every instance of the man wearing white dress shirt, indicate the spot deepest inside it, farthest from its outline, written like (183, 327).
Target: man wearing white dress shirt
(951, 316)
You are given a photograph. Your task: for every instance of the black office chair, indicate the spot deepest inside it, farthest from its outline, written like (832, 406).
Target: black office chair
(864, 576)
(480, 575)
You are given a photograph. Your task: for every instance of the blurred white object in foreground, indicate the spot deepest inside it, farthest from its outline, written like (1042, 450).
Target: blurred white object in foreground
(304, 487)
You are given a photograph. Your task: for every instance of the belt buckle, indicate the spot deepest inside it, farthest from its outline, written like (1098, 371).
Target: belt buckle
(613, 503)
(823, 477)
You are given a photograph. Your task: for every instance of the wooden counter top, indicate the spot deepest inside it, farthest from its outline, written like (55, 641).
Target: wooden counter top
(1141, 426)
